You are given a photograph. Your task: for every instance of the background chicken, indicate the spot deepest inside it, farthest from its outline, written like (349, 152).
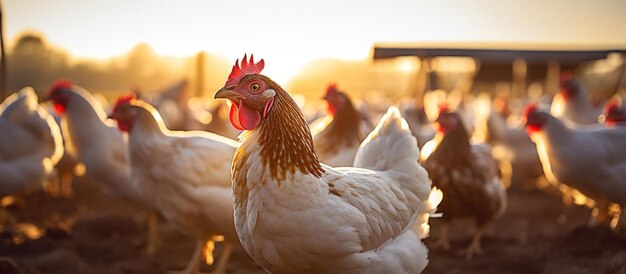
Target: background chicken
(515, 148)
(98, 146)
(341, 131)
(419, 124)
(591, 161)
(614, 113)
(467, 175)
(185, 174)
(30, 143)
(573, 104)
(65, 170)
(295, 215)
(212, 118)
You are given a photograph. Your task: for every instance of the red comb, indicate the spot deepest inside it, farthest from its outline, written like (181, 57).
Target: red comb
(247, 67)
(124, 99)
(565, 76)
(530, 109)
(332, 87)
(444, 108)
(59, 85)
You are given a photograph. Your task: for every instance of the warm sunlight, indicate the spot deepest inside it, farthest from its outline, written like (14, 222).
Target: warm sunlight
(300, 32)
(168, 143)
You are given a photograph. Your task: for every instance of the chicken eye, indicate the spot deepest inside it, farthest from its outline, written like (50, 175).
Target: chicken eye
(255, 87)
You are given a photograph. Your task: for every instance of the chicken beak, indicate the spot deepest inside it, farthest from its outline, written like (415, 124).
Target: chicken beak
(227, 93)
(111, 116)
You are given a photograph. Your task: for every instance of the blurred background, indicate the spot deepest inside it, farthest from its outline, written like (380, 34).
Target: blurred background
(486, 59)
(114, 46)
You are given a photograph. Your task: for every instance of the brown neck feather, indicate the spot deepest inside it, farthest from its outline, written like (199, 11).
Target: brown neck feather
(344, 129)
(455, 148)
(285, 138)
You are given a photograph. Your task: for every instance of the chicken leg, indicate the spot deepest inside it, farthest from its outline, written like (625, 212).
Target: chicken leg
(223, 262)
(474, 247)
(443, 242)
(154, 241)
(193, 267)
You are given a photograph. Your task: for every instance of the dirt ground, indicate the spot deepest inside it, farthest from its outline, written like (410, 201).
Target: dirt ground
(95, 233)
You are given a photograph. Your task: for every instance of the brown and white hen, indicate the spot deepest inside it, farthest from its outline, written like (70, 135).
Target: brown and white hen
(468, 176)
(341, 131)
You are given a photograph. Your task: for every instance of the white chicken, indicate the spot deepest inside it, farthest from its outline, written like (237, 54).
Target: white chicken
(515, 147)
(30, 143)
(592, 161)
(573, 104)
(341, 131)
(65, 170)
(185, 174)
(98, 146)
(296, 215)
(418, 121)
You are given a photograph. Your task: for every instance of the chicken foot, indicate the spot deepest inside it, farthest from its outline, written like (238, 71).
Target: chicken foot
(154, 241)
(474, 247)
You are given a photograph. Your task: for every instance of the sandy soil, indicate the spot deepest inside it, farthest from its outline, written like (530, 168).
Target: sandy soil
(95, 233)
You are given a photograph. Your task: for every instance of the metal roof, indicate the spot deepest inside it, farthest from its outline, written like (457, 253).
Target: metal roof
(498, 56)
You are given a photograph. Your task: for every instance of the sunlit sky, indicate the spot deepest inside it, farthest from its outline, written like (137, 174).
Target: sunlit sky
(290, 33)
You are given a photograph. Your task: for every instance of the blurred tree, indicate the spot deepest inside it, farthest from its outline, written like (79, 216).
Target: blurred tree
(34, 62)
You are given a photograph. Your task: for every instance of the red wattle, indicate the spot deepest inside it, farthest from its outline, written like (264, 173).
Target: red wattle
(59, 108)
(530, 129)
(233, 117)
(249, 118)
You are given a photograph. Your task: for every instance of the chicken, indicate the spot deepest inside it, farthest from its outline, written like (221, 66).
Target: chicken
(614, 114)
(65, 171)
(421, 128)
(172, 103)
(30, 143)
(185, 174)
(591, 161)
(468, 176)
(516, 147)
(98, 146)
(212, 119)
(341, 131)
(294, 214)
(573, 104)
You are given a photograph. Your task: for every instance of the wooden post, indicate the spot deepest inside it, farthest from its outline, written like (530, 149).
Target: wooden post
(552, 77)
(420, 81)
(3, 58)
(200, 89)
(520, 70)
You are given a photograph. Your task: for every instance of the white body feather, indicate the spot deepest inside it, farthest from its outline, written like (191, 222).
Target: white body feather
(98, 145)
(296, 226)
(577, 109)
(592, 161)
(30, 143)
(186, 176)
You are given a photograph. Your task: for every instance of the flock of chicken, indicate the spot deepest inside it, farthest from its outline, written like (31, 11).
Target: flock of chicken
(337, 194)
